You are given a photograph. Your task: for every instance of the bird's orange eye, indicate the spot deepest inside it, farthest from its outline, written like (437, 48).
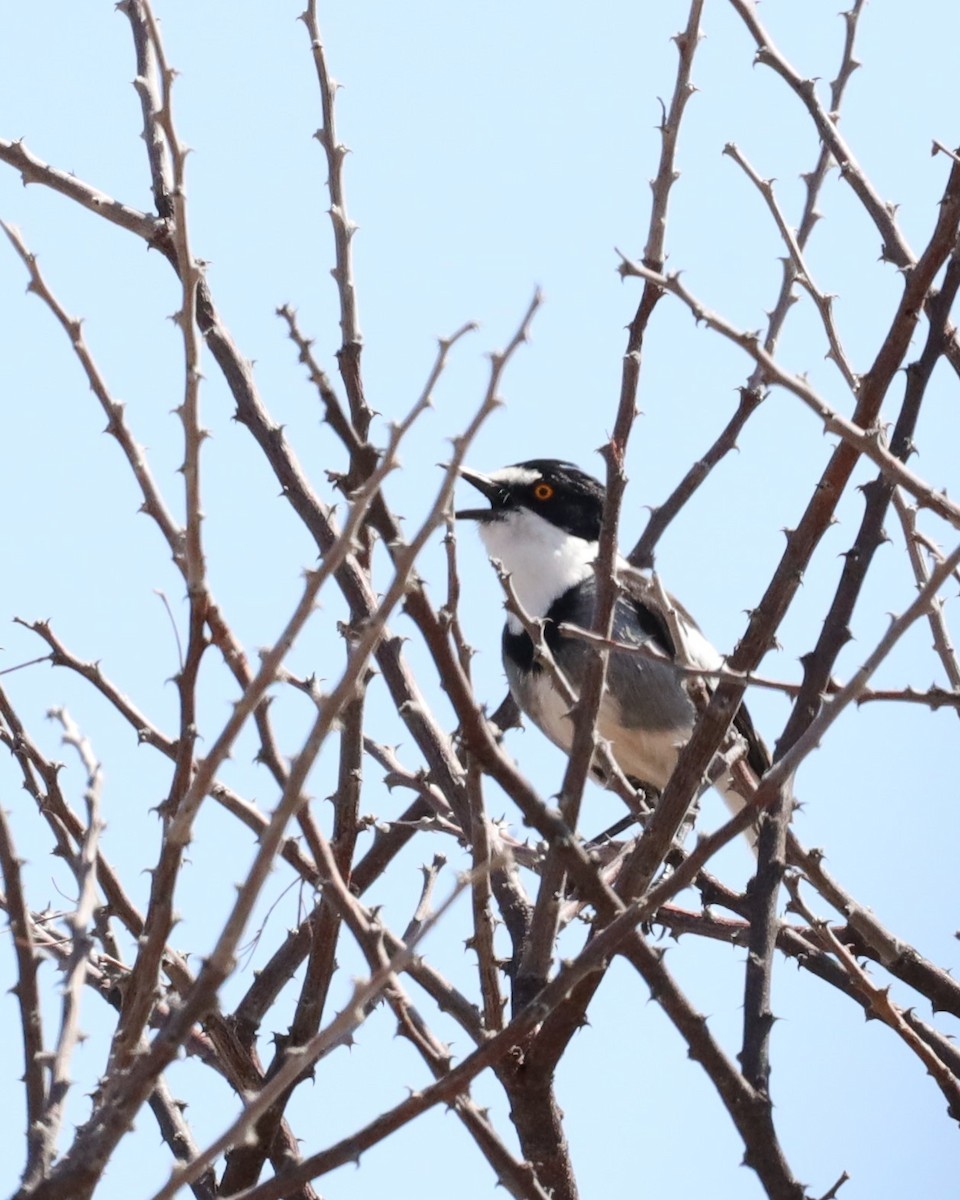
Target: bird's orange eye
(543, 491)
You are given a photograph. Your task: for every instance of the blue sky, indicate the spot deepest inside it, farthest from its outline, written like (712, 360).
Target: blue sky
(495, 149)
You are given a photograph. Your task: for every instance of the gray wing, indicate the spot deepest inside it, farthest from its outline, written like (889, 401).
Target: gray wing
(648, 690)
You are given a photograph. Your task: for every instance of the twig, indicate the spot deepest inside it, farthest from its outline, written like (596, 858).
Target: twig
(818, 665)
(431, 873)
(942, 642)
(751, 395)
(895, 248)
(341, 1029)
(832, 1193)
(343, 230)
(801, 270)
(591, 959)
(28, 1002)
(75, 968)
(30, 662)
(271, 660)
(833, 706)
(940, 148)
(486, 861)
(813, 181)
(41, 779)
(866, 441)
(334, 414)
(619, 923)
(400, 776)
(933, 697)
(872, 939)
(686, 41)
(146, 45)
(642, 554)
(880, 1005)
(153, 503)
(654, 257)
(96, 1141)
(35, 170)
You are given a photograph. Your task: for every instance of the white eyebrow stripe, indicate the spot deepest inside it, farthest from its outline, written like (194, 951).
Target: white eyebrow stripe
(512, 476)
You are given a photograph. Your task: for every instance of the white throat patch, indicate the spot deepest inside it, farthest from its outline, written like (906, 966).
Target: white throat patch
(542, 560)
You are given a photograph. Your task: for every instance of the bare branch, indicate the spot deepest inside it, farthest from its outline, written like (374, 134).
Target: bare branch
(340, 1030)
(786, 765)
(75, 968)
(895, 248)
(752, 394)
(34, 170)
(943, 643)
(27, 991)
(866, 441)
(667, 174)
(801, 271)
(881, 1006)
(343, 230)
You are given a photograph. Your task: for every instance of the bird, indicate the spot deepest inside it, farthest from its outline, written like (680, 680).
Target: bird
(542, 525)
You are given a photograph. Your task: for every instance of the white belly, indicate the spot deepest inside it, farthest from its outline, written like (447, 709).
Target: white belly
(647, 755)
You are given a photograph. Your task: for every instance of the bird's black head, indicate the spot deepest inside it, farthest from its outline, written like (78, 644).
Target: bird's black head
(558, 491)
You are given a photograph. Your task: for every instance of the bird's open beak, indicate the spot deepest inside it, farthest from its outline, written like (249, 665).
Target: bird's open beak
(487, 487)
